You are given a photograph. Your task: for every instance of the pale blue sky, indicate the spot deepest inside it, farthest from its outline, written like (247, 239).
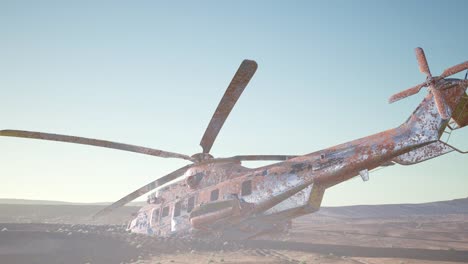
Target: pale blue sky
(152, 73)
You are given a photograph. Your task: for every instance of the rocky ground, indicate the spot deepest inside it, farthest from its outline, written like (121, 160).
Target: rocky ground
(30, 236)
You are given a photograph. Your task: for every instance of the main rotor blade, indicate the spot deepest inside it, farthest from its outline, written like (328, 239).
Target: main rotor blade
(247, 158)
(406, 93)
(93, 142)
(422, 62)
(233, 92)
(455, 69)
(261, 157)
(440, 103)
(145, 189)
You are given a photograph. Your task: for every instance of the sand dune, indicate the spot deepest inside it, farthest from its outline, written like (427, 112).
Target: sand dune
(408, 233)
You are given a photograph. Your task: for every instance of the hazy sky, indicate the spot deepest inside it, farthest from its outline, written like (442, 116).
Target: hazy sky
(152, 73)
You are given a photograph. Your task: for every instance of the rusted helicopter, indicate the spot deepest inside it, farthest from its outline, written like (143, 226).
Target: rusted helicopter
(220, 196)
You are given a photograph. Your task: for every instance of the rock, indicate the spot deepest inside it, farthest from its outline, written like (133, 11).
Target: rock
(193, 251)
(69, 234)
(4, 229)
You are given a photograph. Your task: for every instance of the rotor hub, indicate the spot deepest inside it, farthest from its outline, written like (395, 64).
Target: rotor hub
(199, 157)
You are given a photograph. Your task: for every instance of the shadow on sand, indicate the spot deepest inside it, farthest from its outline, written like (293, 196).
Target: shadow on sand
(35, 247)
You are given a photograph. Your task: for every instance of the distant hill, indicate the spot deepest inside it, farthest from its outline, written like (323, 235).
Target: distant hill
(48, 202)
(58, 212)
(457, 206)
(20, 210)
(33, 202)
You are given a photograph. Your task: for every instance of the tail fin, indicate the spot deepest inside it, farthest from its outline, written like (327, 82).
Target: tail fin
(425, 123)
(426, 126)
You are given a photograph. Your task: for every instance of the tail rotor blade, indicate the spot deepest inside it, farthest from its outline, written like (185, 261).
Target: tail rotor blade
(422, 62)
(440, 103)
(455, 69)
(406, 93)
(143, 190)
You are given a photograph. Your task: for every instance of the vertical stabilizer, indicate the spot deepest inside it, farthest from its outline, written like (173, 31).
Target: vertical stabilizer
(426, 124)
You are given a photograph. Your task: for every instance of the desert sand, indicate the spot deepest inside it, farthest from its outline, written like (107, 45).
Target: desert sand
(65, 233)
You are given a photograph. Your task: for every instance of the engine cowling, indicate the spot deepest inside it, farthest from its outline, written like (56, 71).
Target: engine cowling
(208, 213)
(194, 180)
(460, 114)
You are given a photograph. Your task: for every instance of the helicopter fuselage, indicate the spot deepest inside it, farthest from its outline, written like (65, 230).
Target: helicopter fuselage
(221, 197)
(229, 198)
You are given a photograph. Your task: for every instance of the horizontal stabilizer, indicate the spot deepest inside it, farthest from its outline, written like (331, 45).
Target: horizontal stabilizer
(421, 154)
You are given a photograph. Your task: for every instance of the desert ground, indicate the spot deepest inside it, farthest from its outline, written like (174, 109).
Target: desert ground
(65, 233)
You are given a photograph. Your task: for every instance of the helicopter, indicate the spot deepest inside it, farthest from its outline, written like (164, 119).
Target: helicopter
(220, 196)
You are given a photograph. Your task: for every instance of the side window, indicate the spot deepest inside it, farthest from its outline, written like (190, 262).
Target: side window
(165, 211)
(190, 204)
(246, 188)
(214, 195)
(177, 209)
(155, 216)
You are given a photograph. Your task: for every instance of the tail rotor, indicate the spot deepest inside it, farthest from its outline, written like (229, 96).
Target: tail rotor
(431, 83)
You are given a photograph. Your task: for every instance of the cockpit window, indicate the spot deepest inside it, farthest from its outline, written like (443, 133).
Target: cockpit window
(165, 211)
(214, 195)
(246, 188)
(177, 207)
(190, 204)
(155, 216)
